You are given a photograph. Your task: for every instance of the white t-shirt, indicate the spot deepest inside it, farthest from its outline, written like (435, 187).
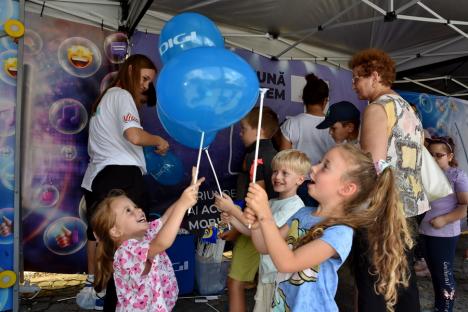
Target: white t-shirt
(106, 144)
(282, 210)
(301, 132)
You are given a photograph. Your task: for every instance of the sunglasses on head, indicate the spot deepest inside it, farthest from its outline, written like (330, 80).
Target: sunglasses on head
(443, 140)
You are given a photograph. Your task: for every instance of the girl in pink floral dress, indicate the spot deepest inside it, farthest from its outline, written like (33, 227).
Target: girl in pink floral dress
(134, 251)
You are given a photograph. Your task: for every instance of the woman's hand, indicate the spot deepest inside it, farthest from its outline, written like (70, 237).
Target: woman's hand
(162, 146)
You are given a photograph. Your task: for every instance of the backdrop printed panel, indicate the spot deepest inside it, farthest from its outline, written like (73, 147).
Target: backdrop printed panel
(9, 9)
(65, 65)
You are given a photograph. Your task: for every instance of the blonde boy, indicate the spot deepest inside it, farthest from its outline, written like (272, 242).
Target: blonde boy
(290, 168)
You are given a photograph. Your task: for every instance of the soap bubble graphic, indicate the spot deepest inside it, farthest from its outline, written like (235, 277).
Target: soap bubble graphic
(68, 116)
(7, 118)
(107, 80)
(6, 226)
(68, 152)
(79, 57)
(65, 236)
(32, 42)
(47, 195)
(9, 66)
(425, 102)
(7, 175)
(116, 47)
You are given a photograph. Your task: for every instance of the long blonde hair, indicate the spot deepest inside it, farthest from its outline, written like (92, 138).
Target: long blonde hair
(102, 222)
(376, 209)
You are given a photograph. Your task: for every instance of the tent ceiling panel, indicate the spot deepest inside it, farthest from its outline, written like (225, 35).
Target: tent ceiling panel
(334, 29)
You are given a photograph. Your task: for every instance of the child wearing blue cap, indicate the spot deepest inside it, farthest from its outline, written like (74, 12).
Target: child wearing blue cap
(343, 119)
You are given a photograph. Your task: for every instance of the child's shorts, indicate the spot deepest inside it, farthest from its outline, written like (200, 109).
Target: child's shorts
(264, 297)
(245, 260)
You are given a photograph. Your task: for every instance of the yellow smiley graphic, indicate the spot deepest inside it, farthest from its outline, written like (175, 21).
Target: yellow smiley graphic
(80, 56)
(10, 66)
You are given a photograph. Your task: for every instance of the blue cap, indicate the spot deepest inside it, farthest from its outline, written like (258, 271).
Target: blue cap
(338, 112)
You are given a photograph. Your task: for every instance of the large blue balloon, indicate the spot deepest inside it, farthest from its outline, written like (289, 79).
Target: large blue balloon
(183, 135)
(166, 169)
(186, 31)
(207, 89)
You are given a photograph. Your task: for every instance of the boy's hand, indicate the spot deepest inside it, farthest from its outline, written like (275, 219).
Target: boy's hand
(224, 203)
(190, 195)
(225, 217)
(257, 200)
(230, 235)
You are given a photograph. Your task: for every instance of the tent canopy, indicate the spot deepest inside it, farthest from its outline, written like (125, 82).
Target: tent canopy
(415, 33)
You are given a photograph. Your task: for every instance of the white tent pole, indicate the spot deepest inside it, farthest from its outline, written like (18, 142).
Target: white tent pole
(425, 86)
(76, 14)
(458, 22)
(431, 49)
(421, 19)
(459, 94)
(318, 28)
(425, 7)
(375, 7)
(422, 79)
(447, 53)
(315, 57)
(246, 35)
(390, 5)
(103, 2)
(201, 4)
(405, 6)
(458, 82)
(235, 44)
(356, 22)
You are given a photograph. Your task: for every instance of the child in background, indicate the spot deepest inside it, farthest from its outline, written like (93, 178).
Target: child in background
(441, 225)
(343, 120)
(133, 250)
(289, 170)
(309, 249)
(245, 258)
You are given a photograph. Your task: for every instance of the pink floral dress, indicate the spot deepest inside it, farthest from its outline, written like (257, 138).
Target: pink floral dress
(155, 291)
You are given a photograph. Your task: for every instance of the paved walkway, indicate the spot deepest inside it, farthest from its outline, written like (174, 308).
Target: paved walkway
(59, 290)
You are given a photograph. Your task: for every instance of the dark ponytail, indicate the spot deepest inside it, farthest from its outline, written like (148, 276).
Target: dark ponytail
(315, 90)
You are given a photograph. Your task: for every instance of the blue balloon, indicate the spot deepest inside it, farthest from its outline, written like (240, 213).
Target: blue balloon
(207, 89)
(184, 136)
(186, 31)
(166, 169)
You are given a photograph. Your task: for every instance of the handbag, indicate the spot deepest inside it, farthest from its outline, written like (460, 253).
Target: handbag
(435, 183)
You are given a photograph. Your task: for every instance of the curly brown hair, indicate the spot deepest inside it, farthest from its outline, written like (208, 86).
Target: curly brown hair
(371, 60)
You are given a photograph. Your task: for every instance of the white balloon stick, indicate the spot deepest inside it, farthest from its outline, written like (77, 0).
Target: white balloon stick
(257, 143)
(197, 169)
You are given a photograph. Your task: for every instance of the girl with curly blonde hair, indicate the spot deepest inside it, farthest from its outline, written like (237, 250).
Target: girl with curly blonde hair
(352, 192)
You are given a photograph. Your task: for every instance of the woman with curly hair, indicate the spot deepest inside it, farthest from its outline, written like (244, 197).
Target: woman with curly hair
(392, 132)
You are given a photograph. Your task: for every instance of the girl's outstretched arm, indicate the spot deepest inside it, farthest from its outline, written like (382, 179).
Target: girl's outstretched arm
(166, 236)
(285, 259)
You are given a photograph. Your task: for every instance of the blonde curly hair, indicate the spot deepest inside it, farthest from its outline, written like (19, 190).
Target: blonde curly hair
(375, 208)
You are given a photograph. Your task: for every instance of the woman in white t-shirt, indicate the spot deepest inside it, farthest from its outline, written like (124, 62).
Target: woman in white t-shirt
(115, 148)
(300, 132)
